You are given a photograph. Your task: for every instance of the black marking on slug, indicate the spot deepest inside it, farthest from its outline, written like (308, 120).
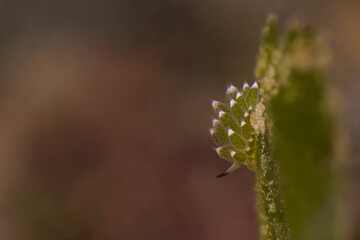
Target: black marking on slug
(222, 175)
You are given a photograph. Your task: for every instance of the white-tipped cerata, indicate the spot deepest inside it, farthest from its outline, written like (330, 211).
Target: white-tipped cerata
(247, 148)
(218, 150)
(215, 104)
(212, 131)
(232, 103)
(231, 90)
(230, 132)
(255, 85)
(246, 114)
(221, 113)
(251, 139)
(245, 85)
(250, 108)
(232, 153)
(242, 123)
(215, 122)
(238, 95)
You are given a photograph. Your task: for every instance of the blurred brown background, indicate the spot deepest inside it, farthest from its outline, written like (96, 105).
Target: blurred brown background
(105, 110)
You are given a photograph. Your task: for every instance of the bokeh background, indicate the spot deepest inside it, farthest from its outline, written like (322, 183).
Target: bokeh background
(105, 110)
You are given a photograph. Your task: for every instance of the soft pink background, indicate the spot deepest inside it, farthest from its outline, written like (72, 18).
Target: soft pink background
(105, 110)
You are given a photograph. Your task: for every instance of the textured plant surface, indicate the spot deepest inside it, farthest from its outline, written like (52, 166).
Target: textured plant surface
(281, 129)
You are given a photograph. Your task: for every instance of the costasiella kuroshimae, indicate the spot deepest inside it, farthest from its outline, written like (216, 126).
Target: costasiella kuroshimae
(234, 128)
